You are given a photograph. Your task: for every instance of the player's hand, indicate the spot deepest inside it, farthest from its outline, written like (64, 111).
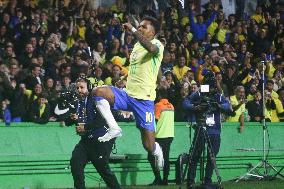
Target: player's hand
(127, 26)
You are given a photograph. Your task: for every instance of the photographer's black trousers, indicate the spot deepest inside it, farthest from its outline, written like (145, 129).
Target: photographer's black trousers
(197, 152)
(96, 152)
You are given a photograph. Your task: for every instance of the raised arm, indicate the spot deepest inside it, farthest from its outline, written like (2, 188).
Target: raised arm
(144, 41)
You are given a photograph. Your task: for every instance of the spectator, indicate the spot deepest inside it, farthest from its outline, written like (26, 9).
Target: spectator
(40, 110)
(238, 104)
(164, 115)
(199, 29)
(34, 77)
(5, 114)
(255, 108)
(180, 69)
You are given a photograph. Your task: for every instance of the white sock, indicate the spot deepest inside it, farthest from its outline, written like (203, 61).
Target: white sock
(157, 149)
(104, 108)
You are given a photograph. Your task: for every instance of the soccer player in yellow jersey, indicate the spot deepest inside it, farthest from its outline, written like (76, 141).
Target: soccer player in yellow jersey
(145, 61)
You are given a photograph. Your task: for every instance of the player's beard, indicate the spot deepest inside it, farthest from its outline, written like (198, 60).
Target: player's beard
(82, 96)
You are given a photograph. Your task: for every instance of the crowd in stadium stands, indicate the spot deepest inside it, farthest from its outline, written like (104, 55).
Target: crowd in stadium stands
(47, 45)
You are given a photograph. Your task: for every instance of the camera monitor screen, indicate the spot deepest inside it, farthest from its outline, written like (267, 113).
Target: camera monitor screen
(204, 88)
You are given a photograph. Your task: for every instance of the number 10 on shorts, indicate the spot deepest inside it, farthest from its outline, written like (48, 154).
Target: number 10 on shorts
(149, 117)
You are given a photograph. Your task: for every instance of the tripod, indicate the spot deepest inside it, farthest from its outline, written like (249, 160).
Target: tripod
(201, 138)
(264, 162)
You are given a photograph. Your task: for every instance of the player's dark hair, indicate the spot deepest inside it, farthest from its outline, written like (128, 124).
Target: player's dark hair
(155, 23)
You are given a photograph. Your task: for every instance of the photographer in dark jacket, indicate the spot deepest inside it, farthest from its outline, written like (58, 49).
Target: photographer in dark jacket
(207, 108)
(90, 125)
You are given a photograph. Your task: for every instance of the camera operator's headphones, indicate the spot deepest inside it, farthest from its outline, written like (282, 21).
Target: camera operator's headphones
(84, 79)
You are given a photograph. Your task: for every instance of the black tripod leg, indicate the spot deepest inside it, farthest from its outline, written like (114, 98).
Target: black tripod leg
(212, 157)
(191, 152)
(279, 173)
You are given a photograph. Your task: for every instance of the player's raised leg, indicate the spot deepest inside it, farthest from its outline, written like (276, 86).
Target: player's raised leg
(148, 141)
(104, 98)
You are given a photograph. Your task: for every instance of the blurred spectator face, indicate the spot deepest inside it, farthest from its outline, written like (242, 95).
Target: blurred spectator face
(34, 61)
(36, 18)
(43, 16)
(269, 86)
(185, 41)
(116, 71)
(199, 19)
(36, 71)
(98, 72)
(6, 18)
(257, 96)
(14, 69)
(29, 48)
(208, 37)
(82, 23)
(3, 104)
(255, 28)
(219, 77)
(187, 29)
(66, 80)
(194, 88)
(9, 51)
(243, 48)
(194, 62)
(181, 61)
(3, 30)
(253, 89)
(173, 47)
(240, 92)
(239, 30)
(91, 20)
(166, 57)
(183, 92)
(86, 14)
(208, 60)
(22, 87)
(33, 41)
(258, 10)
(169, 77)
(190, 75)
(262, 33)
(116, 43)
(38, 89)
(19, 13)
(40, 60)
(194, 45)
(231, 18)
(100, 47)
(49, 83)
(4, 68)
(42, 101)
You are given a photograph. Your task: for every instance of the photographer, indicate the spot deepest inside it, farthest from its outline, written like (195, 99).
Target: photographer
(90, 126)
(207, 108)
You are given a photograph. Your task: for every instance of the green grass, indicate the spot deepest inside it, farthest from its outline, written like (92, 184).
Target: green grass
(274, 184)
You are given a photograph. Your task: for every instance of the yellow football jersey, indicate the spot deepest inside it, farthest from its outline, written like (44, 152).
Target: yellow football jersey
(143, 71)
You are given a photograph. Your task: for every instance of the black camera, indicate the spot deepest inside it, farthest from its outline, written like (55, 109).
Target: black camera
(66, 103)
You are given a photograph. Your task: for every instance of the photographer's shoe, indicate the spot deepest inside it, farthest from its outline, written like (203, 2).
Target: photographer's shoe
(159, 158)
(112, 133)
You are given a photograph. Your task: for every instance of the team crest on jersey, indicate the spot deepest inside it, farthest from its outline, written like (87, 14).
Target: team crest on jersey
(134, 56)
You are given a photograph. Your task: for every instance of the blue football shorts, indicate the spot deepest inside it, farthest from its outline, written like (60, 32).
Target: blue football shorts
(143, 110)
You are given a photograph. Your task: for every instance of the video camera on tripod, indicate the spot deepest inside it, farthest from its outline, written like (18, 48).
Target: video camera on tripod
(207, 103)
